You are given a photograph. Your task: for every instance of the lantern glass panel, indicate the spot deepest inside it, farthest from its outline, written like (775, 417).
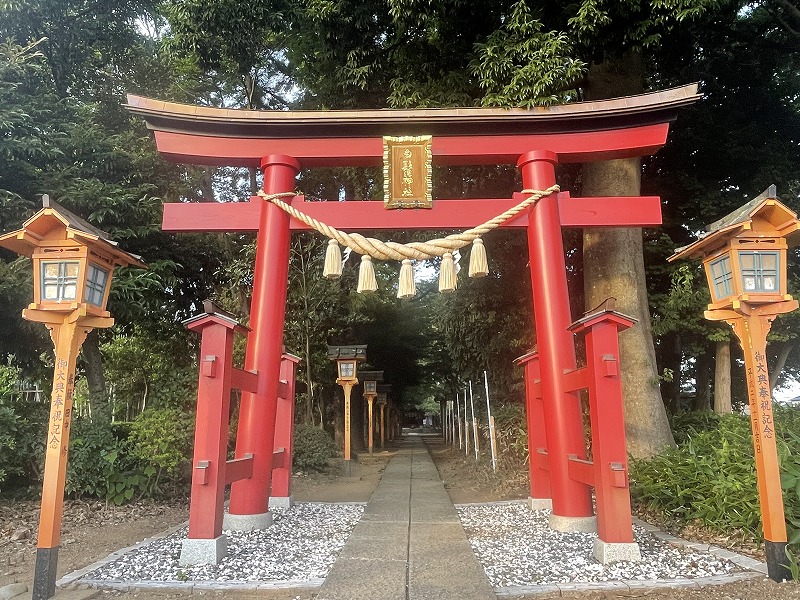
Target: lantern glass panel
(370, 386)
(721, 277)
(59, 280)
(760, 271)
(96, 281)
(347, 368)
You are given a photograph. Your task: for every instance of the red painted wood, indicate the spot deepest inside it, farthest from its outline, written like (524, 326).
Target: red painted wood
(582, 470)
(639, 211)
(562, 411)
(238, 468)
(284, 429)
(446, 150)
(211, 432)
(542, 459)
(244, 380)
(608, 433)
(278, 458)
(538, 478)
(576, 380)
(264, 342)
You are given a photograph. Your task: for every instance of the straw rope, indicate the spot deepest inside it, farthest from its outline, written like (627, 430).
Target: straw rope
(413, 250)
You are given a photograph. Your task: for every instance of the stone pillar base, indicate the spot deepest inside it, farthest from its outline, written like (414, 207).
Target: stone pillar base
(540, 503)
(246, 522)
(203, 551)
(611, 552)
(281, 501)
(580, 524)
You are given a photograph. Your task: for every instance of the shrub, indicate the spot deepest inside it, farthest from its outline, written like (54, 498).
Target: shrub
(711, 476)
(22, 431)
(312, 447)
(100, 464)
(161, 441)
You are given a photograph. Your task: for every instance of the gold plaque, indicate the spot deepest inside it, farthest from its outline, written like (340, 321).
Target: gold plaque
(407, 172)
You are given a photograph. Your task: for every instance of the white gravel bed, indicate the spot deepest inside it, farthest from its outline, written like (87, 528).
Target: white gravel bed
(517, 548)
(301, 545)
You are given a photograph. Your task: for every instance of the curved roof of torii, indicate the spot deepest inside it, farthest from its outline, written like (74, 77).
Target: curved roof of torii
(577, 132)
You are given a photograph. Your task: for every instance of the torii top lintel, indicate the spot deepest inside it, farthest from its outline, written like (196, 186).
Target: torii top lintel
(578, 132)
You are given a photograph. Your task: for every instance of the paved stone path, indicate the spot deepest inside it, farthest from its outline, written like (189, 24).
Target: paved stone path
(409, 545)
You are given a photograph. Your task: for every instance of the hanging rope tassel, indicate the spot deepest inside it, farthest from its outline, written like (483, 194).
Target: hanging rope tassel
(333, 261)
(407, 287)
(447, 274)
(366, 275)
(478, 265)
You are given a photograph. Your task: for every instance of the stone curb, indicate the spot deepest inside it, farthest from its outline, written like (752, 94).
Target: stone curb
(189, 587)
(622, 588)
(744, 562)
(498, 503)
(69, 580)
(753, 569)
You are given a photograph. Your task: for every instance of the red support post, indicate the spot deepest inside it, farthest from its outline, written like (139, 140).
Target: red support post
(537, 441)
(250, 497)
(609, 452)
(211, 430)
(562, 411)
(281, 494)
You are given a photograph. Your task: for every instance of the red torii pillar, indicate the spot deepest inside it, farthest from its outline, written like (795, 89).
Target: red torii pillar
(249, 506)
(572, 503)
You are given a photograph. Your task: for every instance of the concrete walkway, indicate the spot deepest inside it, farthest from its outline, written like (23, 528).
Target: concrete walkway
(409, 544)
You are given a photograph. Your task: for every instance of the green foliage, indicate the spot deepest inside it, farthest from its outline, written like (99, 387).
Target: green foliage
(512, 437)
(161, 441)
(22, 430)
(100, 464)
(312, 447)
(710, 477)
(8, 420)
(145, 370)
(522, 65)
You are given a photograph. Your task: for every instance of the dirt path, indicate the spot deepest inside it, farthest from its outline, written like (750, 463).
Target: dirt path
(93, 530)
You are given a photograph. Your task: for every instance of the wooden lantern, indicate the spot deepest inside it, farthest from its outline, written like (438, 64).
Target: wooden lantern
(73, 262)
(744, 253)
(744, 257)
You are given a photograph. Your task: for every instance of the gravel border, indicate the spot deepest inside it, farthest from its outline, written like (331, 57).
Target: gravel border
(522, 556)
(344, 517)
(297, 551)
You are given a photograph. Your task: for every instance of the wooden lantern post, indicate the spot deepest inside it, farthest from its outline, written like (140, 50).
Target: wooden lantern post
(371, 379)
(347, 358)
(73, 263)
(744, 258)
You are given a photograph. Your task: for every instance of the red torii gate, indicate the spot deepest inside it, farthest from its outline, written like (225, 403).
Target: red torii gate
(281, 143)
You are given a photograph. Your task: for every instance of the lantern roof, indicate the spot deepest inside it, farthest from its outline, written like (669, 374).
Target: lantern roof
(358, 352)
(53, 223)
(370, 375)
(764, 215)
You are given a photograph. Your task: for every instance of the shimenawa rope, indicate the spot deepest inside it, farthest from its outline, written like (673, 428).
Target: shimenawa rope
(413, 250)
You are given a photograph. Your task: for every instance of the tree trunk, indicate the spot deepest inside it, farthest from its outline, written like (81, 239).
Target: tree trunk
(669, 357)
(338, 420)
(783, 355)
(95, 377)
(722, 379)
(614, 267)
(702, 388)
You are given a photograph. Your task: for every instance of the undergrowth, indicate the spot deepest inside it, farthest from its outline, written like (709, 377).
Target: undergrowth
(710, 478)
